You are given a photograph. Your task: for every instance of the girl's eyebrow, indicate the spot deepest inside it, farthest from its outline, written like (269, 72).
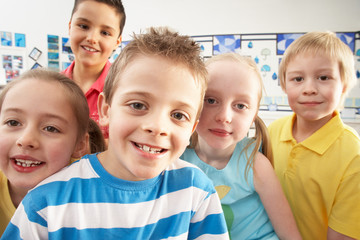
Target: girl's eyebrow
(46, 115)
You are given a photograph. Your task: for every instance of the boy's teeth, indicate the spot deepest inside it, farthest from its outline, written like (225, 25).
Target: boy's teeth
(27, 163)
(149, 149)
(90, 49)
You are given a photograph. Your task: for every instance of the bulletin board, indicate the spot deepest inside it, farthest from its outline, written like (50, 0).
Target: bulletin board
(267, 50)
(12, 56)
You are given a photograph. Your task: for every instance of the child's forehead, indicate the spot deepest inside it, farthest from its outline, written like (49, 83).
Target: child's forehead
(157, 74)
(157, 61)
(33, 84)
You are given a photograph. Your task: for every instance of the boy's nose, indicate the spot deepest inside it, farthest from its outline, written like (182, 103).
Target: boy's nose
(157, 125)
(92, 37)
(310, 87)
(28, 140)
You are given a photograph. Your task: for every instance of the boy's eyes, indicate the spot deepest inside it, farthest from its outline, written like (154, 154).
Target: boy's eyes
(83, 26)
(86, 27)
(142, 107)
(323, 78)
(138, 106)
(12, 123)
(179, 116)
(298, 79)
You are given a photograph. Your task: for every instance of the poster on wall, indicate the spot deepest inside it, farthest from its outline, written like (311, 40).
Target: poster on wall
(6, 38)
(284, 41)
(35, 54)
(20, 40)
(7, 62)
(226, 43)
(18, 62)
(65, 43)
(53, 52)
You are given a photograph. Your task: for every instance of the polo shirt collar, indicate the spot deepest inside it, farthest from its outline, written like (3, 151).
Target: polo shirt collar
(98, 85)
(322, 139)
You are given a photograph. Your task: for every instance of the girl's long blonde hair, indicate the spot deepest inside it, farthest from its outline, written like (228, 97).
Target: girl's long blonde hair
(261, 138)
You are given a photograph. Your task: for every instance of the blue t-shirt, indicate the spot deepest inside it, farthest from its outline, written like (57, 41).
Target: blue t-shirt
(84, 201)
(244, 212)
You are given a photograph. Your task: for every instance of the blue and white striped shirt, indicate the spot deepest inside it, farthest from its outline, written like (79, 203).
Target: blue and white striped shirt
(83, 201)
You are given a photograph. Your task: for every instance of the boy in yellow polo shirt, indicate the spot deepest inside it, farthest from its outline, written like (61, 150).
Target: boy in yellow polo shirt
(316, 156)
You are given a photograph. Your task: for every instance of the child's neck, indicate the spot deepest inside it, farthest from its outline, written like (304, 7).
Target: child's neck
(17, 194)
(217, 158)
(85, 76)
(303, 129)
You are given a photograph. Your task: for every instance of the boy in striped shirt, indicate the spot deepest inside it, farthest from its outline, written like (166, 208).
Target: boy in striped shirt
(138, 188)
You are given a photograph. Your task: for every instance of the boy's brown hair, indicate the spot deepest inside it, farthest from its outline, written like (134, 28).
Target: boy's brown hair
(163, 42)
(115, 4)
(322, 43)
(74, 94)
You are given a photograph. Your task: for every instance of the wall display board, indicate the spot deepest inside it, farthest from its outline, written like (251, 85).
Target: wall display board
(267, 51)
(53, 52)
(12, 56)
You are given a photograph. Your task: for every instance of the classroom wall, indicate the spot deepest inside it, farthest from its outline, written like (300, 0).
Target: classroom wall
(38, 18)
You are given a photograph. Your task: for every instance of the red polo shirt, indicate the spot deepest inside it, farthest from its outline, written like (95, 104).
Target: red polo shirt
(93, 93)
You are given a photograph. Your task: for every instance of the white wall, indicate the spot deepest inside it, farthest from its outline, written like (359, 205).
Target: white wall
(38, 18)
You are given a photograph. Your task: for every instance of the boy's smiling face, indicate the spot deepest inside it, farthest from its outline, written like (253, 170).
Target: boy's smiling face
(313, 86)
(94, 32)
(151, 117)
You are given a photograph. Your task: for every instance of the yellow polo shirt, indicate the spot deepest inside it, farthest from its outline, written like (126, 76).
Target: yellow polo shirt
(7, 208)
(320, 176)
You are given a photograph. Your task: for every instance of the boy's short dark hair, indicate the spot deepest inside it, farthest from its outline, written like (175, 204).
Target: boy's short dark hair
(162, 42)
(116, 4)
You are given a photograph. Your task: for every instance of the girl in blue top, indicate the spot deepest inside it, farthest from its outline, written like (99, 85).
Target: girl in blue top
(253, 202)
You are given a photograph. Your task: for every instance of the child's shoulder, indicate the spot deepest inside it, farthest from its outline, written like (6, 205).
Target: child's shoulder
(351, 132)
(350, 140)
(79, 168)
(187, 172)
(281, 122)
(281, 128)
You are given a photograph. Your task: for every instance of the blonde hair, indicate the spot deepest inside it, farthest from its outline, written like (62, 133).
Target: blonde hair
(162, 42)
(73, 93)
(322, 43)
(261, 138)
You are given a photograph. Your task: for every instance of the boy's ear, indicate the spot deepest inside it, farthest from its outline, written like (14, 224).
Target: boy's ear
(82, 147)
(195, 125)
(69, 27)
(104, 110)
(118, 41)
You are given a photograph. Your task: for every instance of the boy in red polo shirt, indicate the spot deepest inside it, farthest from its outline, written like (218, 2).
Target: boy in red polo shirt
(95, 31)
